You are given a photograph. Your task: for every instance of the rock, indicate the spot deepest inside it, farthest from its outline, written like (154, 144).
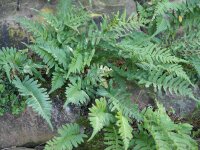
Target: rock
(130, 7)
(111, 6)
(182, 106)
(19, 148)
(12, 35)
(8, 8)
(141, 96)
(29, 129)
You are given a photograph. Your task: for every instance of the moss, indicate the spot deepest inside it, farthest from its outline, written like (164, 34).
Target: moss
(13, 36)
(16, 32)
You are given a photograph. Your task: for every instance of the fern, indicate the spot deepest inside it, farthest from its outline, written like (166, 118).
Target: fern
(164, 6)
(160, 80)
(125, 130)
(119, 100)
(37, 97)
(195, 61)
(175, 69)
(98, 116)
(149, 53)
(64, 6)
(12, 61)
(58, 80)
(143, 48)
(70, 136)
(51, 56)
(144, 141)
(167, 134)
(75, 94)
(112, 139)
(76, 64)
(120, 26)
(38, 29)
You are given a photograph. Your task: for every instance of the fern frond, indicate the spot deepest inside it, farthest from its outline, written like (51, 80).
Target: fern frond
(120, 26)
(12, 61)
(47, 57)
(64, 7)
(51, 55)
(166, 134)
(143, 141)
(125, 129)
(58, 80)
(162, 24)
(76, 64)
(37, 97)
(76, 18)
(70, 136)
(175, 69)
(161, 80)
(51, 20)
(112, 139)
(119, 100)
(75, 94)
(164, 6)
(88, 56)
(195, 61)
(150, 53)
(37, 29)
(98, 116)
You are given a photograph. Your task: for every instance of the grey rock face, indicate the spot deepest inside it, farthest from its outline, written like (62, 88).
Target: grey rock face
(110, 6)
(182, 106)
(29, 129)
(18, 148)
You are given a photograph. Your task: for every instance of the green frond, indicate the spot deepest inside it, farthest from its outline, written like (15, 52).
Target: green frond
(76, 18)
(70, 137)
(98, 116)
(88, 56)
(125, 129)
(166, 134)
(119, 100)
(51, 55)
(112, 139)
(96, 75)
(58, 80)
(75, 94)
(64, 7)
(143, 141)
(76, 64)
(12, 61)
(121, 25)
(37, 97)
(150, 53)
(195, 61)
(51, 20)
(47, 57)
(167, 82)
(175, 69)
(164, 6)
(36, 28)
(162, 24)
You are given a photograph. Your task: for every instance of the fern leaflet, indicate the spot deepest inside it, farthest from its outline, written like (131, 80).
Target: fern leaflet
(70, 136)
(98, 116)
(125, 129)
(37, 97)
(112, 139)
